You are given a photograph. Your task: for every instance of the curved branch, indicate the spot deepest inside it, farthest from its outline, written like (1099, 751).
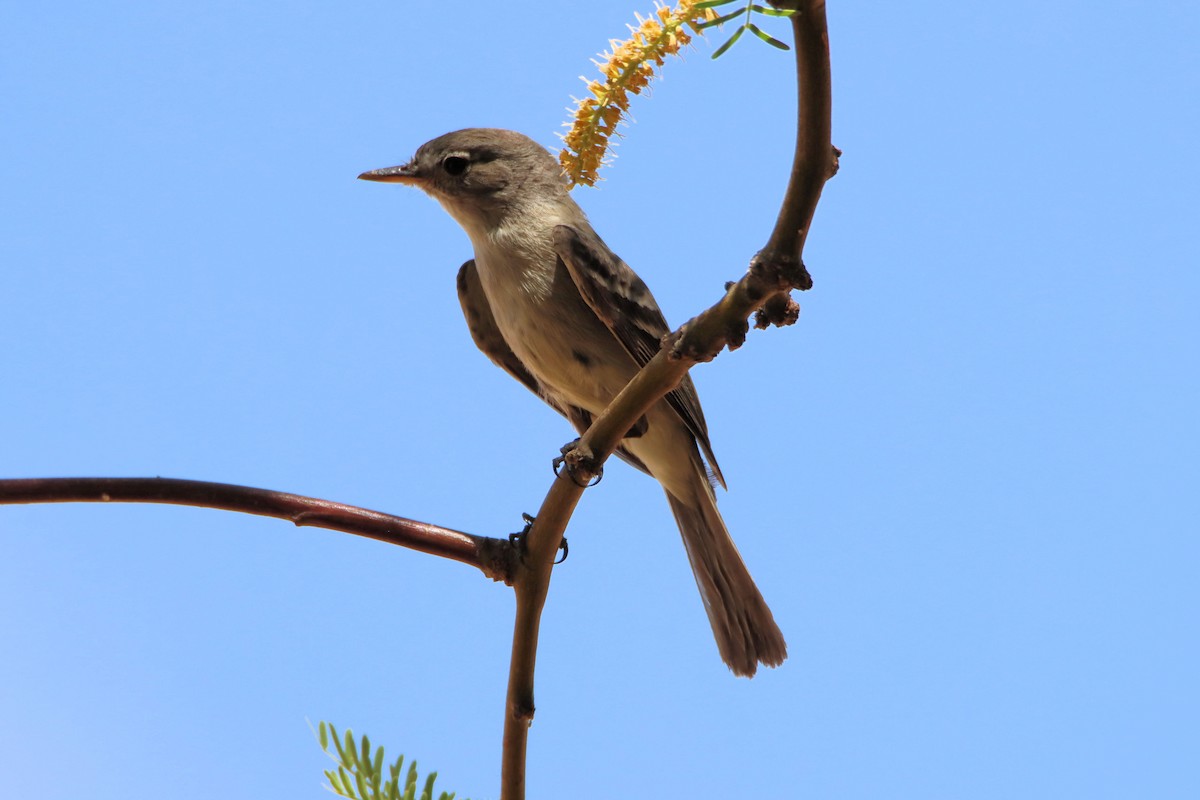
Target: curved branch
(494, 557)
(815, 158)
(773, 273)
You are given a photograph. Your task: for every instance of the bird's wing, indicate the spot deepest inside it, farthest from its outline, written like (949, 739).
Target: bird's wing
(487, 337)
(623, 302)
(486, 334)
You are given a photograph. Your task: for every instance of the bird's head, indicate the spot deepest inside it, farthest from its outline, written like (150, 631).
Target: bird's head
(481, 176)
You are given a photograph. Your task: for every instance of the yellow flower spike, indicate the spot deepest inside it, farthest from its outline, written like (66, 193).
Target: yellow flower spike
(627, 69)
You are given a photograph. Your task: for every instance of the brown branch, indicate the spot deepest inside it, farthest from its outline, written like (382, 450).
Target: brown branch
(494, 557)
(774, 272)
(815, 158)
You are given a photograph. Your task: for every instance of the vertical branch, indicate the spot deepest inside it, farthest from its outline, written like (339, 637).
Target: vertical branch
(775, 270)
(531, 585)
(815, 159)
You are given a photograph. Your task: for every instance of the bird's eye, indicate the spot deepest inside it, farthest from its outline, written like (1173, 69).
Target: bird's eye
(455, 165)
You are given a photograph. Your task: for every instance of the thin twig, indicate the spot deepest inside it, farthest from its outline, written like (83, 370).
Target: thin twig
(774, 272)
(492, 556)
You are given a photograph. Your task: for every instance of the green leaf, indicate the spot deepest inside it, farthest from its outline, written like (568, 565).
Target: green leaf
(722, 20)
(347, 784)
(411, 782)
(772, 12)
(737, 35)
(712, 3)
(332, 777)
(359, 774)
(377, 766)
(337, 743)
(766, 37)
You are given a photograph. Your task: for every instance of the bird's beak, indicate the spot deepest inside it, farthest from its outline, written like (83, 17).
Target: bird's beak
(405, 173)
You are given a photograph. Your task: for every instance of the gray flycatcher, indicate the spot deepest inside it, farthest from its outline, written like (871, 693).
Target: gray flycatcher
(547, 301)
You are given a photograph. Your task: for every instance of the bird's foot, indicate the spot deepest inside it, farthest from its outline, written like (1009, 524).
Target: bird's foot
(581, 465)
(517, 540)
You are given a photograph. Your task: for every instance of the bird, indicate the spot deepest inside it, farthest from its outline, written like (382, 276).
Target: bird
(546, 300)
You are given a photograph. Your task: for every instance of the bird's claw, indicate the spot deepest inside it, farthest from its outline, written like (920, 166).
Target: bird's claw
(517, 540)
(579, 463)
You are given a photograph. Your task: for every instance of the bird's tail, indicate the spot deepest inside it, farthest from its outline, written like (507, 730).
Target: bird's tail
(742, 623)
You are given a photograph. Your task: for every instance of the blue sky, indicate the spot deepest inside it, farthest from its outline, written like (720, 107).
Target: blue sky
(965, 481)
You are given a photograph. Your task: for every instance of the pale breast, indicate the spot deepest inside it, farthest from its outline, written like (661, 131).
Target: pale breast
(551, 329)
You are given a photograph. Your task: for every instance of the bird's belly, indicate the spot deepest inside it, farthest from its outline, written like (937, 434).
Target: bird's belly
(574, 356)
(564, 345)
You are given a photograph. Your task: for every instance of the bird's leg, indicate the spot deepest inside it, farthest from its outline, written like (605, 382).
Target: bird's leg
(639, 428)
